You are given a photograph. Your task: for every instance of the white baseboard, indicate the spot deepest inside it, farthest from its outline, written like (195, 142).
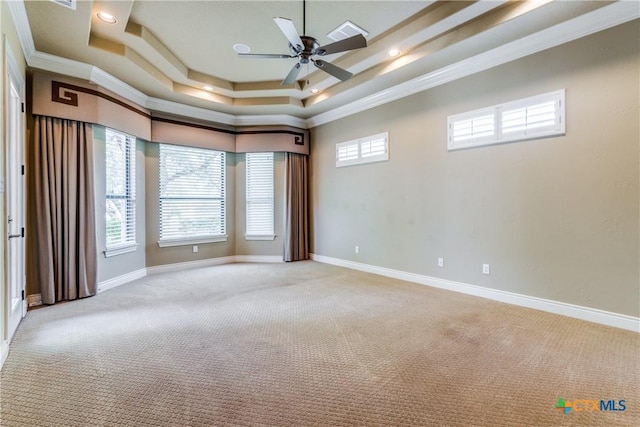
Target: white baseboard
(4, 351)
(259, 258)
(34, 300)
(169, 268)
(594, 315)
(121, 280)
(179, 266)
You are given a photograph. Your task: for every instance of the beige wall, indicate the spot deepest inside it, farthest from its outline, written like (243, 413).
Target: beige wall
(556, 218)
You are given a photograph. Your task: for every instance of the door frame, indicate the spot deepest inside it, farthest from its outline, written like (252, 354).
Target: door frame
(13, 76)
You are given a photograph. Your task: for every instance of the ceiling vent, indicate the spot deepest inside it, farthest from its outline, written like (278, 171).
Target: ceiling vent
(71, 4)
(346, 30)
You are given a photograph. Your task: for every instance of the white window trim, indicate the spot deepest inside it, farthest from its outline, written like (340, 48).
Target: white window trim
(185, 242)
(120, 250)
(363, 159)
(496, 110)
(259, 236)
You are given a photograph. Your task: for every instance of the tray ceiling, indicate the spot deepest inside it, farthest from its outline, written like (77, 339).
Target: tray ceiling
(172, 50)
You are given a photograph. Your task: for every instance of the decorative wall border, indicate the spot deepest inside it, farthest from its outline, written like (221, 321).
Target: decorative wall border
(67, 93)
(299, 136)
(70, 98)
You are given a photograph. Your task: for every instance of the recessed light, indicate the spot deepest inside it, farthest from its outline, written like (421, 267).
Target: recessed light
(394, 52)
(315, 90)
(241, 48)
(207, 88)
(106, 17)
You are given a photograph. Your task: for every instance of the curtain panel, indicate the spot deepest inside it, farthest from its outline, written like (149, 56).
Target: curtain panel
(62, 235)
(296, 215)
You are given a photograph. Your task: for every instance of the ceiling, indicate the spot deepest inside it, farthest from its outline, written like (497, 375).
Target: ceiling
(166, 52)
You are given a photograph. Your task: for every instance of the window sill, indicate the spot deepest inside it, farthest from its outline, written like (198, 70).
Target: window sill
(185, 242)
(259, 236)
(120, 250)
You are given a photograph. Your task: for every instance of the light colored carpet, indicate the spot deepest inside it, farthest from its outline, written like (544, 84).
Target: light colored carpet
(308, 344)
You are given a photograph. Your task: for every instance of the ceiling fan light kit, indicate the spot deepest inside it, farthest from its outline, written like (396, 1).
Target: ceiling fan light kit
(304, 48)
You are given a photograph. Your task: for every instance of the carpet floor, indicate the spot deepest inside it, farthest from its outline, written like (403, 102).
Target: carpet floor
(303, 344)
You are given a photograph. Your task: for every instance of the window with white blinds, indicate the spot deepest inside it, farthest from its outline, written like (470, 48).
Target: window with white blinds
(192, 195)
(370, 149)
(260, 196)
(120, 203)
(535, 117)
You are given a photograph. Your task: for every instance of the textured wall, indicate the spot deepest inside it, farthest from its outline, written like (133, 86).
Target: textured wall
(556, 218)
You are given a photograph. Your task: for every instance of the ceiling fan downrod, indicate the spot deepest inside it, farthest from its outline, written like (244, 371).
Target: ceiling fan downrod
(304, 47)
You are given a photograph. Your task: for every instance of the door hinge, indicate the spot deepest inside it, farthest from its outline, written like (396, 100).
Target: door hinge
(22, 231)
(23, 107)
(23, 295)
(22, 169)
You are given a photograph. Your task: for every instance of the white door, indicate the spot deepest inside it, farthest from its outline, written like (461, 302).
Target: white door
(14, 193)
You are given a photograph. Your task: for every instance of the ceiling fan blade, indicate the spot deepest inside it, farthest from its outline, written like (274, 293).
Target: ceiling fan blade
(334, 70)
(356, 42)
(290, 32)
(291, 77)
(264, 55)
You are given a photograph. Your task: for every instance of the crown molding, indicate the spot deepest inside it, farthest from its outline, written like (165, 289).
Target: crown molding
(109, 82)
(601, 19)
(93, 74)
(21, 21)
(281, 119)
(57, 64)
(170, 107)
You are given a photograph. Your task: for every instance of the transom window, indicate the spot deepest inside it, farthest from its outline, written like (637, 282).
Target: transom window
(369, 149)
(535, 117)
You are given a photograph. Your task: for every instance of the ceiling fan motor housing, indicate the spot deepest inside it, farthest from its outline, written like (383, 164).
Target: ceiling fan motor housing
(310, 48)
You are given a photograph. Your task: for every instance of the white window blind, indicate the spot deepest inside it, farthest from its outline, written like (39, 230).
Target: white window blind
(192, 194)
(531, 118)
(347, 151)
(477, 128)
(120, 190)
(370, 149)
(260, 196)
(535, 117)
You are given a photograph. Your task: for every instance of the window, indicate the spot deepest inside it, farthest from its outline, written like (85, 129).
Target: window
(534, 117)
(121, 192)
(192, 199)
(259, 196)
(364, 150)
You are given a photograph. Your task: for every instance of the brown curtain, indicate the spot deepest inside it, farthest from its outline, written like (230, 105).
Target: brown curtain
(62, 237)
(296, 212)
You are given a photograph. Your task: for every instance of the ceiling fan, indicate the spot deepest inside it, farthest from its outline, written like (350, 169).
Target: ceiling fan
(304, 48)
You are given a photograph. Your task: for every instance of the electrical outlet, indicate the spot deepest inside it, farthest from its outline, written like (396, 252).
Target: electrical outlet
(195, 249)
(440, 262)
(486, 269)
(357, 249)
